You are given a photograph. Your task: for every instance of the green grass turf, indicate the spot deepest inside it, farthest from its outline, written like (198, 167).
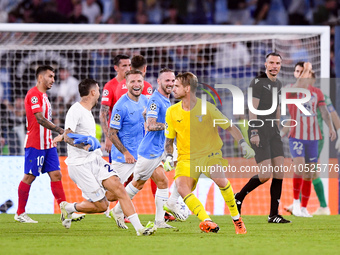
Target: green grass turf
(98, 235)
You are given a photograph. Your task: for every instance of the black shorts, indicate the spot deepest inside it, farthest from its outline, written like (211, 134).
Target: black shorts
(270, 146)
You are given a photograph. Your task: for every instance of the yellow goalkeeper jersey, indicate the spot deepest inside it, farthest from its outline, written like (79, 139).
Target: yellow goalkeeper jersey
(196, 134)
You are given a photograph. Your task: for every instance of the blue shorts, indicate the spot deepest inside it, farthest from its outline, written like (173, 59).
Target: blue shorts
(41, 161)
(304, 148)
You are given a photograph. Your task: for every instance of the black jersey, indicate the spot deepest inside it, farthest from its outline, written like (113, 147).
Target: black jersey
(263, 90)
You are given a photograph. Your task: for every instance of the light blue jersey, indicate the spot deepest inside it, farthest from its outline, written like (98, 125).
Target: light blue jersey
(152, 145)
(128, 119)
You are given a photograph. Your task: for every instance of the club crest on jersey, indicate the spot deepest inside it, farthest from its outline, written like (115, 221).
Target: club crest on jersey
(149, 91)
(124, 86)
(34, 100)
(153, 107)
(105, 92)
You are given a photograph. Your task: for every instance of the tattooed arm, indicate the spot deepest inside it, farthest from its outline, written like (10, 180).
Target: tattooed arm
(47, 124)
(104, 116)
(152, 125)
(70, 141)
(169, 146)
(113, 136)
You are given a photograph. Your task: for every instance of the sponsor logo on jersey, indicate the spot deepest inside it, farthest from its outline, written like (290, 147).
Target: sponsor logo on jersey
(268, 88)
(35, 106)
(200, 117)
(124, 86)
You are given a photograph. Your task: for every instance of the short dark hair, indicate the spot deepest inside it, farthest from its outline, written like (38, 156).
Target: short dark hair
(116, 60)
(300, 63)
(138, 61)
(132, 72)
(273, 54)
(188, 79)
(41, 69)
(165, 70)
(85, 86)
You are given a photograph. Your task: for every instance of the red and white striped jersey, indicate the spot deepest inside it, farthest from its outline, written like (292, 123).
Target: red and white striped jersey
(37, 136)
(108, 95)
(307, 127)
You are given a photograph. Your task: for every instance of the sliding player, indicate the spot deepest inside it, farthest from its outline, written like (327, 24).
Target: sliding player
(86, 167)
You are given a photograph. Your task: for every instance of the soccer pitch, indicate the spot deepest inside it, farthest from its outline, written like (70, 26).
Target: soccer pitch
(97, 234)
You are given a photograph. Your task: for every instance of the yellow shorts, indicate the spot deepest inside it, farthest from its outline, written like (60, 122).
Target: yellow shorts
(194, 168)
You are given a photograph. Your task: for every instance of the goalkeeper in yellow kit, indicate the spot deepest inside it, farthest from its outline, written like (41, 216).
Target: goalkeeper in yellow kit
(199, 150)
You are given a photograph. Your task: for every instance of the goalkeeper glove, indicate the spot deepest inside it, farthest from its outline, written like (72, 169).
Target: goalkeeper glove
(169, 163)
(247, 150)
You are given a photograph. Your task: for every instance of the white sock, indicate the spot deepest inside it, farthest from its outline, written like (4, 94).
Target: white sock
(236, 217)
(173, 197)
(296, 202)
(132, 191)
(70, 207)
(161, 197)
(135, 221)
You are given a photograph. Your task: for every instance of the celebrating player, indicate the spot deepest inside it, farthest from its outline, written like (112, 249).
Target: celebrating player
(266, 140)
(199, 148)
(40, 154)
(87, 168)
(127, 129)
(151, 149)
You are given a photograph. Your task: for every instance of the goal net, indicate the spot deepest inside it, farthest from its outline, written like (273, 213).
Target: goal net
(216, 54)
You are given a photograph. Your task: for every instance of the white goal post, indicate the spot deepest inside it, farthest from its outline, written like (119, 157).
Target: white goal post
(216, 52)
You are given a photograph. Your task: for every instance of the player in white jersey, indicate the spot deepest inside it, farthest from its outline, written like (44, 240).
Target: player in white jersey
(92, 174)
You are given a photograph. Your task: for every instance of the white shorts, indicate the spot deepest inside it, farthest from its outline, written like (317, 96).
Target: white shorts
(145, 167)
(89, 177)
(124, 170)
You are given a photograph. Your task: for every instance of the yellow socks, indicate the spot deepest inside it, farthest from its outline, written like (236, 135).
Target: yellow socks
(228, 195)
(196, 207)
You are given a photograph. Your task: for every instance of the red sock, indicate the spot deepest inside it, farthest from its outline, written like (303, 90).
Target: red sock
(297, 181)
(128, 180)
(58, 191)
(305, 192)
(153, 188)
(23, 192)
